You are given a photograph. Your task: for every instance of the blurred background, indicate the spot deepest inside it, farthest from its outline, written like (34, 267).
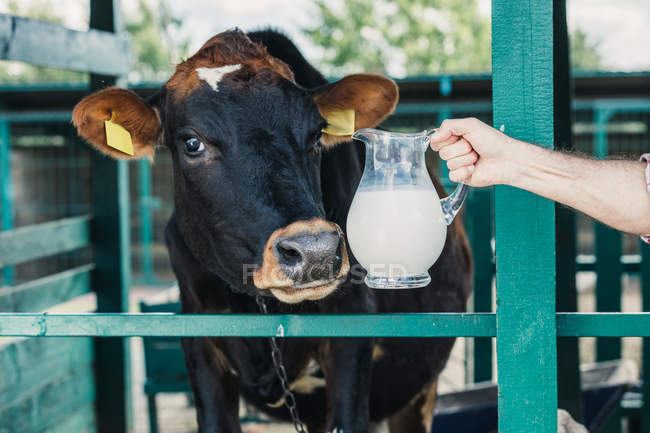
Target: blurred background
(439, 52)
(397, 38)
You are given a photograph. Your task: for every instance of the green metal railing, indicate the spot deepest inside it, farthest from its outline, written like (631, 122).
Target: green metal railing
(423, 325)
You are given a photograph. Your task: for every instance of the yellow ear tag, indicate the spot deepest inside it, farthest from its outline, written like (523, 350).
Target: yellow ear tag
(340, 122)
(117, 137)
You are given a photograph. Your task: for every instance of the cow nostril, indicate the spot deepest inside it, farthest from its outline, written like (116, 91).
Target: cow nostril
(308, 257)
(289, 252)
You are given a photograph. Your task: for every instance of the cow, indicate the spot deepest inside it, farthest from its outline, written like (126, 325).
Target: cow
(261, 196)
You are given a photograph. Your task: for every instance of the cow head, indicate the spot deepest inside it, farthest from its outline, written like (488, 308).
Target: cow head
(245, 142)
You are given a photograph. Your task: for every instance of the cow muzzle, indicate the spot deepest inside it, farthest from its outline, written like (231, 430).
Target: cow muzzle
(305, 260)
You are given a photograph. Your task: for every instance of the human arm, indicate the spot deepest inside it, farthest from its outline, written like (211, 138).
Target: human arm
(614, 192)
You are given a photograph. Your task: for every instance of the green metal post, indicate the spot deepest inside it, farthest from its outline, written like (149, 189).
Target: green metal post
(645, 358)
(608, 251)
(6, 189)
(144, 171)
(111, 246)
(569, 387)
(523, 99)
(445, 113)
(479, 212)
(608, 285)
(601, 146)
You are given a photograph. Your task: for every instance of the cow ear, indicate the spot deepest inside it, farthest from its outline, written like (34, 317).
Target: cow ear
(371, 97)
(124, 108)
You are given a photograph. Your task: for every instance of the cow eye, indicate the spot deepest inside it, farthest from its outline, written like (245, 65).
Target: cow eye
(194, 146)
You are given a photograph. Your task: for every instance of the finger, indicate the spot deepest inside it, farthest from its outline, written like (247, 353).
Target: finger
(450, 127)
(451, 140)
(439, 135)
(462, 174)
(462, 161)
(461, 147)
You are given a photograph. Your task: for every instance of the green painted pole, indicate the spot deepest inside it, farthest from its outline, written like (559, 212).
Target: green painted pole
(6, 191)
(645, 360)
(608, 285)
(601, 146)
(111, 247)
(569, 387)
(445, 113)
(608, 251)
(523, 99)
(146, 223)
(479, 225)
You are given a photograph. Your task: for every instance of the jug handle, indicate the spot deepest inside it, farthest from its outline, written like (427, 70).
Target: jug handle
(453, 202)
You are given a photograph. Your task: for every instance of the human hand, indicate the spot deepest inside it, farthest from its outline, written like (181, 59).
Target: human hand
(476, 154)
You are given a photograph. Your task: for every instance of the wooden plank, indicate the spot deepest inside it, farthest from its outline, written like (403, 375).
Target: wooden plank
(47, 44)
(522, 81)
(110, 208)
(246, 325)
(37, 295)
(41, 240)
(608, 247)
(23, 364)
(52, 404)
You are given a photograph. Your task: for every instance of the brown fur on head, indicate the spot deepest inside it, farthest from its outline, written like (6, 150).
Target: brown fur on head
(228, 48)
(129, 111)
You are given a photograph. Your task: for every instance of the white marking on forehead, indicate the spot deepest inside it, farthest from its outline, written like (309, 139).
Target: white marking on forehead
(212, 76)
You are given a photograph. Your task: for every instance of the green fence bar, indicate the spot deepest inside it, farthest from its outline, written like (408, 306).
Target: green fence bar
(523, 87)
(311, 325)
(645, 363)
(41, 240)
(603, 324)
(111, 279)
(48, 44)
(608, 284)
(39, 294)
(248, 325)
(607, 250)
(6, 211)
(479, 227)
(146, 223)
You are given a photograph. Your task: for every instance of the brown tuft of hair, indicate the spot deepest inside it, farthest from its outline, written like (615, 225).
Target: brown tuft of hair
(228, 48)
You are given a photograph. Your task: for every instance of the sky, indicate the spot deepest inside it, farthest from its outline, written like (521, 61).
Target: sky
(621, 28)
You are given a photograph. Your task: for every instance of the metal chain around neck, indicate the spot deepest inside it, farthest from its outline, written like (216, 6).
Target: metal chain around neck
(281, 372)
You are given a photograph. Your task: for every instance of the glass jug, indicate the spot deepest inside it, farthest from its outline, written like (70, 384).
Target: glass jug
(397, 224)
